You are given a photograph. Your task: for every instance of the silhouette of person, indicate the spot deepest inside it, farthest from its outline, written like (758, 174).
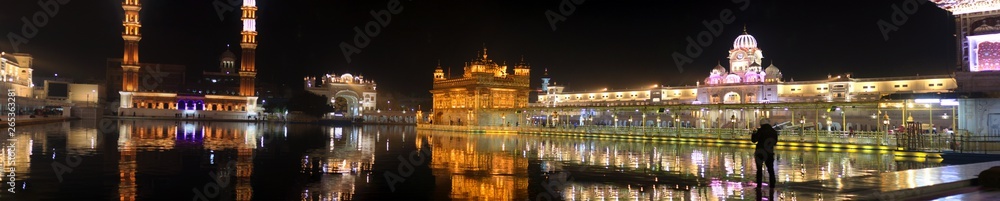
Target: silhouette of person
(766, 138)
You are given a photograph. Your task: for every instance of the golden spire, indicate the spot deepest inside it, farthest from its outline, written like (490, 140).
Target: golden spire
(484, 51)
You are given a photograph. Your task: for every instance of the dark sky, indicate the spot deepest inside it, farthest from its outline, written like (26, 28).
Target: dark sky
(603, 43)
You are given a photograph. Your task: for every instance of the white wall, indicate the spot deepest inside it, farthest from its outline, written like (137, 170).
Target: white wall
(84, 93)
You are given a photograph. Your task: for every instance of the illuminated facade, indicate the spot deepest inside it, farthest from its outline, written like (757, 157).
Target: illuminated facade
(977, 31)
(746, 82)
(358, 94)
(137, 99)
(484, 89)
(15, 73)
(977, 34)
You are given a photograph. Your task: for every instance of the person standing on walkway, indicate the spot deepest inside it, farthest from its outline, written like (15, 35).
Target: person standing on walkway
(766, 138)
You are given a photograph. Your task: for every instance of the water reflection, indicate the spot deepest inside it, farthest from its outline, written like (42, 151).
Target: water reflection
(612, 170)
(183, 160)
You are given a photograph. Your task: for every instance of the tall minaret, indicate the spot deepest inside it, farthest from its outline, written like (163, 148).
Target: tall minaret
(130, 61)
(248, 70)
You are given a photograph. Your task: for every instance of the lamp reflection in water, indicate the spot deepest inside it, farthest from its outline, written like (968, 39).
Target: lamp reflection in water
(347, 157)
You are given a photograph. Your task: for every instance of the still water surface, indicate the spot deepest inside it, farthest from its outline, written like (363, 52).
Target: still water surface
(170, 160)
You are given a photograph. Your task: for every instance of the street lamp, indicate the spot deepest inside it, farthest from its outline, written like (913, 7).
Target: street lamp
(829, 124)
(875, 118)
(657, 121)
(674, 117)
(886, 122)
(644, 119)
(945, 116)
(802, 128)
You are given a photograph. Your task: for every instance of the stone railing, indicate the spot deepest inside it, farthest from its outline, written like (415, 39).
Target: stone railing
(819, 138)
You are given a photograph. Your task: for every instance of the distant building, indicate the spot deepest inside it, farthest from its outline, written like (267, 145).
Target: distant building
(486, 94)
(154, 77)
(147, 90)
(747, 82)
(358, 94)
(16, 73)
(224, 82)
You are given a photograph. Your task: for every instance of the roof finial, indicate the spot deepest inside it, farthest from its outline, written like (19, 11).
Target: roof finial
(484, 51)
(744, 28)
(546, 72)
(439, 64)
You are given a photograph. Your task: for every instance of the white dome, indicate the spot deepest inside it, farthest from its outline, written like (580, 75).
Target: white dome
(347, 77)
(745, 41)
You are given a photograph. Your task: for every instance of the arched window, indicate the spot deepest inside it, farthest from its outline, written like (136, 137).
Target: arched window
(732, 97)
(732, 79)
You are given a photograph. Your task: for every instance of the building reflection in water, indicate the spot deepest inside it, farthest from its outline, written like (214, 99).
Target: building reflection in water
(464, 166)
(344, 162)
(492, 167)
(478, 168)
(137, 138)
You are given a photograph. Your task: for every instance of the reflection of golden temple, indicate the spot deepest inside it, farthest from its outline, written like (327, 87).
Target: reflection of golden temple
(694, 172)
(478, 171)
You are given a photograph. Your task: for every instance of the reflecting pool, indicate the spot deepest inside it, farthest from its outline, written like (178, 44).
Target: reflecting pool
(174, 160)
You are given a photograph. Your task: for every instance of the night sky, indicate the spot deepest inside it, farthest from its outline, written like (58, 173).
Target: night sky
(603, 43)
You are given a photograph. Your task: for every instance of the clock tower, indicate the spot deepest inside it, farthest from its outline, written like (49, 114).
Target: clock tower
(744, 53)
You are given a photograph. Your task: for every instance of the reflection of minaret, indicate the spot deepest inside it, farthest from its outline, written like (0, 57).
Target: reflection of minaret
(248, 70)
(244, 163)
(126, 163)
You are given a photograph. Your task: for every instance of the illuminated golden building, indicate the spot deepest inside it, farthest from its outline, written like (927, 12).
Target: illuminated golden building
(140, 98)
(484, 95)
